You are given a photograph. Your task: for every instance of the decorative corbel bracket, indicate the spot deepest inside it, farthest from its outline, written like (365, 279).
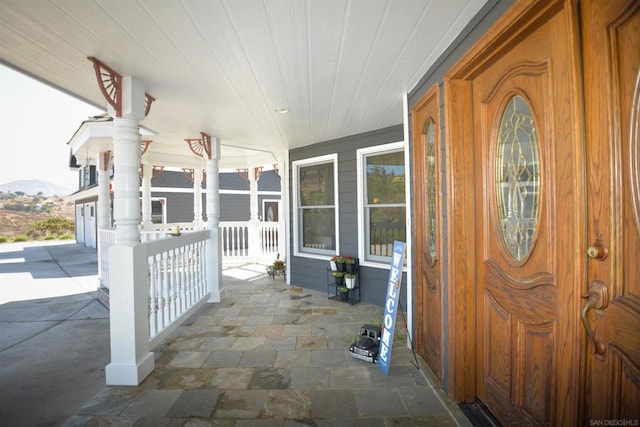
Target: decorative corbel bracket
(144, 146)
(110, 83)
(200, 146)
(243, 173)
(257, 173)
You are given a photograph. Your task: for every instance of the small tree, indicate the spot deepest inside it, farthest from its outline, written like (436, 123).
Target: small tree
(51, 226)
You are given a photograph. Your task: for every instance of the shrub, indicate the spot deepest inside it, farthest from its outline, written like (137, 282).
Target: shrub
(51, 226)
(49, 237)
(21, 238)
(4, 239)
(66, 236)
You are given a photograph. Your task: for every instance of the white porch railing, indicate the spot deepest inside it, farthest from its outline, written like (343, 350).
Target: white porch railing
(269, 245)
(176, 269)
(157, 284)
(235, 237)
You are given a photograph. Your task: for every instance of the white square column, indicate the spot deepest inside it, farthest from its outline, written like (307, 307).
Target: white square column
(214, 245)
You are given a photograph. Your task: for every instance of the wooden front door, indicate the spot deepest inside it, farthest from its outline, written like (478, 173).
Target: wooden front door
(611, 41)
(426, 136)
(516, 171)
(545, 215)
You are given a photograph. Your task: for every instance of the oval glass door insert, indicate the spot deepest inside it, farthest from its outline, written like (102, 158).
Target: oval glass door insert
(517, 178)
(430, 187)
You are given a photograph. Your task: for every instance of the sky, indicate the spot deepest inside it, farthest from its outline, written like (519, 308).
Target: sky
(36, 122)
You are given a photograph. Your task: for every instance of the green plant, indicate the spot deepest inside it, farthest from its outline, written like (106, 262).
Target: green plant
(49, 237)
(349, 275)
(21, 239)
(51, 226)
(4, 239)
(338, 274)
(66, 236)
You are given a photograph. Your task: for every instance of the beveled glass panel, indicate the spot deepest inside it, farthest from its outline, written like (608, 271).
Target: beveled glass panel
(430, 188)
(517, 177)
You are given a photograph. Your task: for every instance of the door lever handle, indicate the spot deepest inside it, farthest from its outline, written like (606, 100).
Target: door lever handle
(598, 299)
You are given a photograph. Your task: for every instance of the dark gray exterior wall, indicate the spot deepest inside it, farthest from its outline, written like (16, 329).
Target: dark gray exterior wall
(312, 273)
(233, 207)
(476, 28)
(179, 206)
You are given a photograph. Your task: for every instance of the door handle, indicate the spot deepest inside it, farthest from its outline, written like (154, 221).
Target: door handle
(597, 299)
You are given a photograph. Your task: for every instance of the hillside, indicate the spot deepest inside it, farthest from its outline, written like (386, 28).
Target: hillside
(19, 213)
(34, 187)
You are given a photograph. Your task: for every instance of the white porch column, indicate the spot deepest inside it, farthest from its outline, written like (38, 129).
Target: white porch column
(104, 198)
(126, 200)
(147, 173)
(198, 223)
(214, 245)
(282, 226)
(283, 216)
(131, 360)
(254, 223)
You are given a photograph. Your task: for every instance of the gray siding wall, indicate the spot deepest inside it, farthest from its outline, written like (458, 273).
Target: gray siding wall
(233, 207)
(179, 206)
(312, 273)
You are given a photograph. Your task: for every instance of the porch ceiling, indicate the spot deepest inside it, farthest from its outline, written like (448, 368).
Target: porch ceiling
(223, 67)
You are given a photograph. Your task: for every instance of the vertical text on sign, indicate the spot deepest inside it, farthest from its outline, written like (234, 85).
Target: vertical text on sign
(391, 306)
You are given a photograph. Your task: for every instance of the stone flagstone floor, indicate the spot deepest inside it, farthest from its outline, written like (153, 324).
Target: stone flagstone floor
(271, 354)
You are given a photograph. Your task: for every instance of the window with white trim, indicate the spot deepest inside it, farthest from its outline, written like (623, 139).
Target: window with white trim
(381, 201)
(316, 205)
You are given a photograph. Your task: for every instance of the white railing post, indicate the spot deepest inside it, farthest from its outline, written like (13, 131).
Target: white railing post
(131, 360)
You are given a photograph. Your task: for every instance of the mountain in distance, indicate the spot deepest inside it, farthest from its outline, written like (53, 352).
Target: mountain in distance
(35, 186)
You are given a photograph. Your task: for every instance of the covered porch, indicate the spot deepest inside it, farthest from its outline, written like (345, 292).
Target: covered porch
(268, 354)
(156, 275)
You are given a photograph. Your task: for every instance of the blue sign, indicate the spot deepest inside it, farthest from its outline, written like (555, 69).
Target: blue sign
(391, 306)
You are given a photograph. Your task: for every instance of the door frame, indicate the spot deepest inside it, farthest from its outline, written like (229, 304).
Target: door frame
(420, 113)
(516, 23)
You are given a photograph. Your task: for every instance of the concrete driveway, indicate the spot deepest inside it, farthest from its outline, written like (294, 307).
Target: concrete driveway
(54, 334)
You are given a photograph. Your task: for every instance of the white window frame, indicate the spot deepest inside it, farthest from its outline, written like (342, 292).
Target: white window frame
(163, 202)
(317, 254)
(361, 155)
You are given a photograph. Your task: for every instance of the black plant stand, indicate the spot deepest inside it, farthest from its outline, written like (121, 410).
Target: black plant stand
(334, 294)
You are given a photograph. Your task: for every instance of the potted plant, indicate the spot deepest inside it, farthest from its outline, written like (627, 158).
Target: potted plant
(277, 268)
(343, 291)
(337, 263)
(339, 278)
(332, 263)
(350, 264)
(350, 280)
